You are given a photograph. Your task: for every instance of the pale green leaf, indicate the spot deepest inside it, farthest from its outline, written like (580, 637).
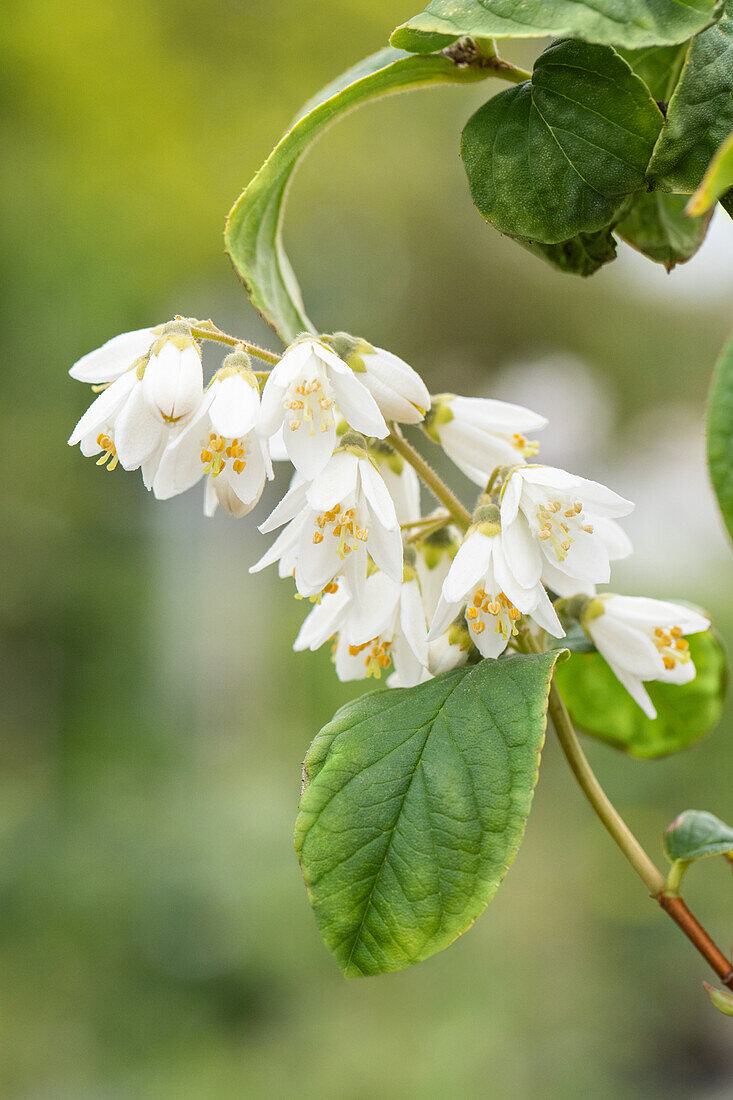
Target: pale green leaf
(630, 23)
(696, 834)
(657, 226)
(700, 112)
(601, 707)
(716, 181)
(414, 807)
(720, 434)
(253, 233)
(559, 155)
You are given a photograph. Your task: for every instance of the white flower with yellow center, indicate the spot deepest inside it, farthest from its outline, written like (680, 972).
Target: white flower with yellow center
(131, 420)
(108, 362)
(303, 392)
(401, 480)
(643, 639)
(397, 388)
(555, 526)
(480, 580)
(222, 444)
(336, 522)
(387, 629)
(479, 434)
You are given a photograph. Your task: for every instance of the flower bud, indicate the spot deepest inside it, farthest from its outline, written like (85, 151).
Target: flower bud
(173, 382)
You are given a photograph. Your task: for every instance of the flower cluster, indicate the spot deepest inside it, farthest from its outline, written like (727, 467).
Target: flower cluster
(390, 587)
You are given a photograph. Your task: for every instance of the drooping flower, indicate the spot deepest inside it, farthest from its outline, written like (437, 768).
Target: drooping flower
(397, 388)
(124, 423)
(479, 434)
(479, 577)
(302, 393)
(548, 528)
(387, 628)
(643, 639)
(435, 555)
(336, 522)
(221, 443)
(106, 363)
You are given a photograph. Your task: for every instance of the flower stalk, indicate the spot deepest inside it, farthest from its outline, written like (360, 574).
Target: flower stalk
(207, 330)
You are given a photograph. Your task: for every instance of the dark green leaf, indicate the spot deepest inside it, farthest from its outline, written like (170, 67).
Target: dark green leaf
(720, 434)
(696, 834)
(726, 201)
(700, 112)
(630, 23)
(716, 182)
(581, 255)
(659, 67)
(657, 226)
(254, 228)
(558, 155)
(414, 807)
(601, 707)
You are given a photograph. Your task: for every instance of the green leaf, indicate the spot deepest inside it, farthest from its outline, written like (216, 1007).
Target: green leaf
(716, 181)
(657, 226)
(659, 67)
(700, 112)
(726, 202)
(720, 434)
(558, 155)
(630, 23)
(414, 807)
(253, 232)
(581, 255)
(696, 834)
(601, 707)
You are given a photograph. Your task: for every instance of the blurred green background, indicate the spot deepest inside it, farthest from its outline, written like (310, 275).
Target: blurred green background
(155, 937)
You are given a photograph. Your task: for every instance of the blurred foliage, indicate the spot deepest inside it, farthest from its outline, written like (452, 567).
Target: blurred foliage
(155, 937)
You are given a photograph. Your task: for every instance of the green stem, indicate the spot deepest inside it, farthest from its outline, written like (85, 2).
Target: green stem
(652, 878)
(460, 515)
(201, 331)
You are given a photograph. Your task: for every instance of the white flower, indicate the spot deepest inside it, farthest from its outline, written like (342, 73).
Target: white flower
(120, 425)
(173, 382)
(302, 392)
(398, 390)
(479, 434)
(643, 639)
(107, 363)
(435, 556)
(221, 443)
(451, 650)
(479, 576)
(388, 627)
(548, 528)
(334, 523)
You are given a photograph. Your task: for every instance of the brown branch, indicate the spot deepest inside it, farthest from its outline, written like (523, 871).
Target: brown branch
(676, 908)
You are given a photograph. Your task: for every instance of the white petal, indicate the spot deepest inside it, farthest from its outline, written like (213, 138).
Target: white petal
(283, 546)
(377, 495)
(334, 484)
(211, 500)
(309, 449)
(544, 615)
(107, 363)
(562, 585)
(272, 409)
(521, 553)
(587, 558)
(292, 503)
(181, 466)
(469, 566)
(646, 613)
(104, 407)
(276, 443)
(235, 407)
(614, 538)
(496, 416)
(626, 647)
(357, 405)
(385, 548)
(137, 432)
(378, 611)
(444, 615)
(510, 497)
(173, 382)
(635, 688)
(476, 453)
(412, 621)
(248, 485)
(323, 621)
(490, 643)
(596, 498)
